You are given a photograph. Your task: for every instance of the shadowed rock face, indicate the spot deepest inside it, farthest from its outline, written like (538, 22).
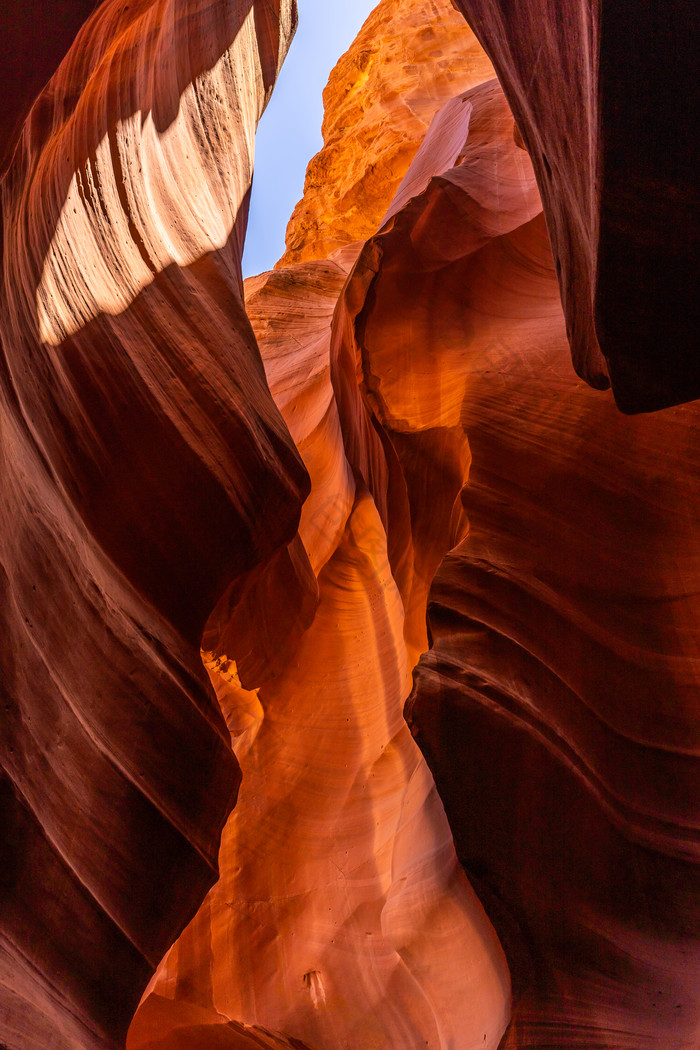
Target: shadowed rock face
(594, 88)
(558, 704)
(134, 412)
(26, 67)
(278, 484)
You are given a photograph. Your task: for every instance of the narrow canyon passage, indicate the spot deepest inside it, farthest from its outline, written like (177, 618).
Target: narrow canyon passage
(350, 647)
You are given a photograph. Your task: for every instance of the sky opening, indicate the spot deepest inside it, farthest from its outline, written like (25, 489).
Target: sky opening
(289, 133)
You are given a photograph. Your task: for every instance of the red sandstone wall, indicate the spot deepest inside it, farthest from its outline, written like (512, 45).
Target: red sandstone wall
(278, 480)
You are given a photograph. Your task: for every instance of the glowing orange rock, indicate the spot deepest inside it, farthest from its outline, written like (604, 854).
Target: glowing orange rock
(340, 895)
(408, 59)
(558, 704)
(167, 488)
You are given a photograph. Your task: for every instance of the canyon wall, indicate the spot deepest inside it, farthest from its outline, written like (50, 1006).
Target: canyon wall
(237, 521)
(595, 89)
(341, 914)
(134, 414)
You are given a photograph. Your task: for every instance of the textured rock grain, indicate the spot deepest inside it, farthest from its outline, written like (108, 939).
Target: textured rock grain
(409, 58)
(134, 414)
(278, 481)
(341, 913)
(558, 705)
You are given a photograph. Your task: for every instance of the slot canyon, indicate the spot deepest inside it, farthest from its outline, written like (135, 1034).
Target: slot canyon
(350, 613)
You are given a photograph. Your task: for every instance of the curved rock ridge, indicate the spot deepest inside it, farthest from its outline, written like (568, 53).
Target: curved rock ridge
(163, 1025)
(471, 226)
(271, 486)
(558, 705)
(135, 415)
(409, 58)
(613, 152)
(341, 916)
(564, 627)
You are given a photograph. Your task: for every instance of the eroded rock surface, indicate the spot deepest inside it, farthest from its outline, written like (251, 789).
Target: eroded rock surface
(558, 706)
(341, 914)
(409, 58)
(278, 481)
(134, 412)
(595, 89)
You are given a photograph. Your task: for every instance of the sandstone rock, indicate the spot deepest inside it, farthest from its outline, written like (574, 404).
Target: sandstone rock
(558, 709)
(278, 482)
(409, 58)
(164, 1025)
(340, 915)
(134, 414)
(595, 89)
(459, 238)
(564, 626)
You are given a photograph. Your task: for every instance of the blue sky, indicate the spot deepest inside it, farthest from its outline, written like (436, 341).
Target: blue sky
(289, 133)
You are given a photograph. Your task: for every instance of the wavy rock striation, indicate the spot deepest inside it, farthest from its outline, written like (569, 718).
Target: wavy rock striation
(341, 912)
(558, 705)
(272, 486)
(134, 414)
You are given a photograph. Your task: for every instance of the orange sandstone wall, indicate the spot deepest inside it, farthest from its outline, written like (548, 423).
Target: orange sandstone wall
(409, 58)
(383, 429)
(341, 914)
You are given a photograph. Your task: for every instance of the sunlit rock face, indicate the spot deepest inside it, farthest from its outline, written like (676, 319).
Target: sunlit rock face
(275, 488)
(341, 915)
(410, 57)
(594, 88)
(558, 704)
(134, 412)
